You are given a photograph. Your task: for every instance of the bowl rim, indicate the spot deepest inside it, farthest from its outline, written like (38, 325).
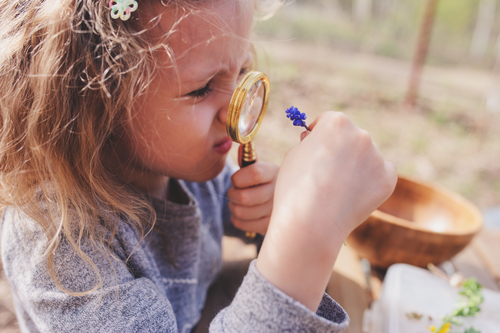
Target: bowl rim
(473, 229)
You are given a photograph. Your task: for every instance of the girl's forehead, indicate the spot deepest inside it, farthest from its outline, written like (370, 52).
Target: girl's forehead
(212, 35)
(230, 16)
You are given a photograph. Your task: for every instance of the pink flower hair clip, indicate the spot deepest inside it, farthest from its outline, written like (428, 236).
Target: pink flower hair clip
(122, 8)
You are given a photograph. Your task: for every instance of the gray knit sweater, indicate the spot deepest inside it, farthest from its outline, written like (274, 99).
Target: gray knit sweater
(143, 291)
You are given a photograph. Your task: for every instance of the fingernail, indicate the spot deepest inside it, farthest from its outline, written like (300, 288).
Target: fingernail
(303, 135)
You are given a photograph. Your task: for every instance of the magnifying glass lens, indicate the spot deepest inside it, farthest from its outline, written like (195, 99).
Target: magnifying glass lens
(251, 109)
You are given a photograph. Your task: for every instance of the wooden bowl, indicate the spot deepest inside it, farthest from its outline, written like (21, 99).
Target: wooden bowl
(420, 223)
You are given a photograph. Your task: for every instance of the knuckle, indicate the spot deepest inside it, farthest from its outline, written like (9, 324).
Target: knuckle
(237, 223)
(267, 172)
(393, 178)
(337, 120)
(241, 197)
(364, 134)
(365, 138)
(236, 179)
(237, 211)
(256, 172)
(341, 118)
(387, 191)
(231, 193)
(389, 184)
(326, 116)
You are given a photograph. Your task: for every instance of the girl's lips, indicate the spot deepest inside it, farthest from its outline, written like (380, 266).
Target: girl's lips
(223, 146)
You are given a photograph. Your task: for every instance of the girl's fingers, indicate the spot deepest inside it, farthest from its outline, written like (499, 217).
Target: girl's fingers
(255, 174)
(303, 135)
(244, 213)
(392, 175)
(258, 226)
(251, 196)
(318, 118)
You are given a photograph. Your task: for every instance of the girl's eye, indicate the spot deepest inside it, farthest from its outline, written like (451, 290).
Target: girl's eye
(200, 93)
(244, 70)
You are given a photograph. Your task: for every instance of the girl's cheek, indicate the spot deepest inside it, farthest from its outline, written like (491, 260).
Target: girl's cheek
(207, 112)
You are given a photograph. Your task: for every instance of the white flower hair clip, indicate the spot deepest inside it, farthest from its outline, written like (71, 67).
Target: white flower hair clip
(122, 8)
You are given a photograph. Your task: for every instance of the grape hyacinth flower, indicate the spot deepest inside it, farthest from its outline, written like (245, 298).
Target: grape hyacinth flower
(298, 118)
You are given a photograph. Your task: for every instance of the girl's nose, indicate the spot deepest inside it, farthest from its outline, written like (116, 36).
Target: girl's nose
(226, 95)
(222, 114)
(225, 100)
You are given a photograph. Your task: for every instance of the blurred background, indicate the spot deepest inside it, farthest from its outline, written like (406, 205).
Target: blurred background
(357, 56)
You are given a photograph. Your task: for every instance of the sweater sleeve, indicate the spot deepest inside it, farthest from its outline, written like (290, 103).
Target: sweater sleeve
(127, 302)
(262, 308)
(123, 303)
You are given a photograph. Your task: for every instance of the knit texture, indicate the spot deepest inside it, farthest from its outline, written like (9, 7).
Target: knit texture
(143, 291)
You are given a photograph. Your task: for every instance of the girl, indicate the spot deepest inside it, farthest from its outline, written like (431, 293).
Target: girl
(113, 153)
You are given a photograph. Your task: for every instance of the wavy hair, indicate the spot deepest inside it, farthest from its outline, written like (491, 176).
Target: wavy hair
(69, 74)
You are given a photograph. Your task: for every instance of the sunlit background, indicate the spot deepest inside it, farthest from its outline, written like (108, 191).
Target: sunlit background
(356, 56)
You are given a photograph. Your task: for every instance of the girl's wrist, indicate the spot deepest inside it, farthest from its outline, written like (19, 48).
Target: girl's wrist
(324, 230)
(297, 261)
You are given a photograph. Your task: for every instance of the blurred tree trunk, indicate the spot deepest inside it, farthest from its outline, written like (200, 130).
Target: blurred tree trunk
(362, 10)
(421, 51)
(384, 8)
(334, 9)
(482, 31)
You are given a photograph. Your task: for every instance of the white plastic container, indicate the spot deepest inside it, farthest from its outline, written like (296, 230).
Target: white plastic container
(409, 290)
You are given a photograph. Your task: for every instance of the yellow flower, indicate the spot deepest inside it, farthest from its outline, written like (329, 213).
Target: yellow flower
(444, 329)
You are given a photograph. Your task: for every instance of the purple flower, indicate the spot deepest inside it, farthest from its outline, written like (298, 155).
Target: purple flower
(298, 118)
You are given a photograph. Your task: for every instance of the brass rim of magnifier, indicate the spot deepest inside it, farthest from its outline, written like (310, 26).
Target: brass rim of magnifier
(239, 96)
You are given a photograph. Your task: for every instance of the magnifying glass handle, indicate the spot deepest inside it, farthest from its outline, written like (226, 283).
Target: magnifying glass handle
(246, 157)
(248, 154)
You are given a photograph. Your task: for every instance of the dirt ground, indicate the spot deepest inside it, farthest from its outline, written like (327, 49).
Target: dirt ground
(452, 138)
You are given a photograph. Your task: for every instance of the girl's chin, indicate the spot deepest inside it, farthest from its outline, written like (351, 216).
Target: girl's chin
(209, 172)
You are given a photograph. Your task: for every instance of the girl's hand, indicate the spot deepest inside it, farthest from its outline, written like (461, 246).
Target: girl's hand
(251, 196)
(327, 185)
(334, 179)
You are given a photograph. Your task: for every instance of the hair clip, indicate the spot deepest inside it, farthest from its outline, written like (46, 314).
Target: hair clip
(122, 8)
(298, 118)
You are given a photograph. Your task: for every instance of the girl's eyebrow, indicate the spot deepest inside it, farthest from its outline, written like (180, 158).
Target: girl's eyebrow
(249, 60)
(208, 75)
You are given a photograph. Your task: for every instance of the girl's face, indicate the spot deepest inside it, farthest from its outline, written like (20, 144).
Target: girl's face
(178, 128)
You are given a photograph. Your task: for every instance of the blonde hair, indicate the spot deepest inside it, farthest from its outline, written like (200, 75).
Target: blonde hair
(69, 74)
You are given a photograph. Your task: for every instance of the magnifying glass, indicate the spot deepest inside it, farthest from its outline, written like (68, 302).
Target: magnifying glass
(246, 111)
